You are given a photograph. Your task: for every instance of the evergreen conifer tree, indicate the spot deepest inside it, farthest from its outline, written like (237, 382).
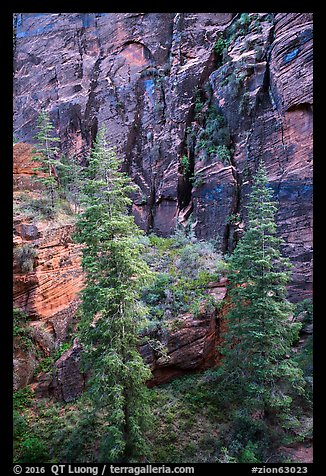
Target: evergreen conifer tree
(45, 152)
(112, 312)
(257, 371)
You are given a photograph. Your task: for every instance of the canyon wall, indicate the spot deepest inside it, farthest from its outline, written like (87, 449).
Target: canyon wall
(152, 79)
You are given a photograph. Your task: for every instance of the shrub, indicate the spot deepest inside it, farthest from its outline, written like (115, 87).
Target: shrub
(197, 180)
(249, 438)
(22, 398)
(21, 330)
(32, 450)
(304, 312)
(222, 136)
(248, 455)
(225, 456)
(20, 425)
(19, 317)
(198, 104)
(224, 154)
(214, 137)
(185, 165)
(220, 49)
(46, 365)
(63, 347)
(219, 46)
(156, 292)
(25, 256)
(43, 207)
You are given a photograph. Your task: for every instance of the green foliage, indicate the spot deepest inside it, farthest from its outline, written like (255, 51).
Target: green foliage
(224, 154)
(63, 348)
(184, 266)
(235, 84)
(239, 27)
(304, 358)
(247, 440)
(304, 312)
(225, 457)
(154, 293)
(197, 180)
(248, 454)
(214, 137)
(20, 425)
(32, 450)
(185, 165)
(255, 368)
(21, 331)
(45, 365)
(199, 104)
(22, 398)
(220, 49)
(45, 152)
(41, 208)
(28, 447)
(20, 317)
(112, 312)
(183, 426)
(219, 45)
(80, 437)
(25, 256)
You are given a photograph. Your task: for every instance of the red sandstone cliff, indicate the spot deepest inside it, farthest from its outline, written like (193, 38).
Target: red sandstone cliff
(138, 74)
(48, 293)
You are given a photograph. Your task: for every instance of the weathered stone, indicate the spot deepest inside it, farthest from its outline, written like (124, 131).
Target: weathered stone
(68, 381)
(49, 292)
(24, 365)
(187, 343)
(276, 128)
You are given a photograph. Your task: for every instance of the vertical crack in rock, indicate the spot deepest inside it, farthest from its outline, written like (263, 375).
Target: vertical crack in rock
(89, 127)
(187, 146)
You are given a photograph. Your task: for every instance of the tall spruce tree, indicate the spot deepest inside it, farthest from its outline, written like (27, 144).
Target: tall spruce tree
(257, 371)
(112, 312)
(45, 152)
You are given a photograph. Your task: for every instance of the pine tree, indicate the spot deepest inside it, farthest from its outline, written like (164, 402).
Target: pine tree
(257, 371)
(45, 151)
(112, 312)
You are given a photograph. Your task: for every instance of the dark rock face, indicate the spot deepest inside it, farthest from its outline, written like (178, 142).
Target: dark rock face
(68, 381)
(189, 343)
(140, 73)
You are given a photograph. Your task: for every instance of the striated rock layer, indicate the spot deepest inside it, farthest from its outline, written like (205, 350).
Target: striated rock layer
(48, 292)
